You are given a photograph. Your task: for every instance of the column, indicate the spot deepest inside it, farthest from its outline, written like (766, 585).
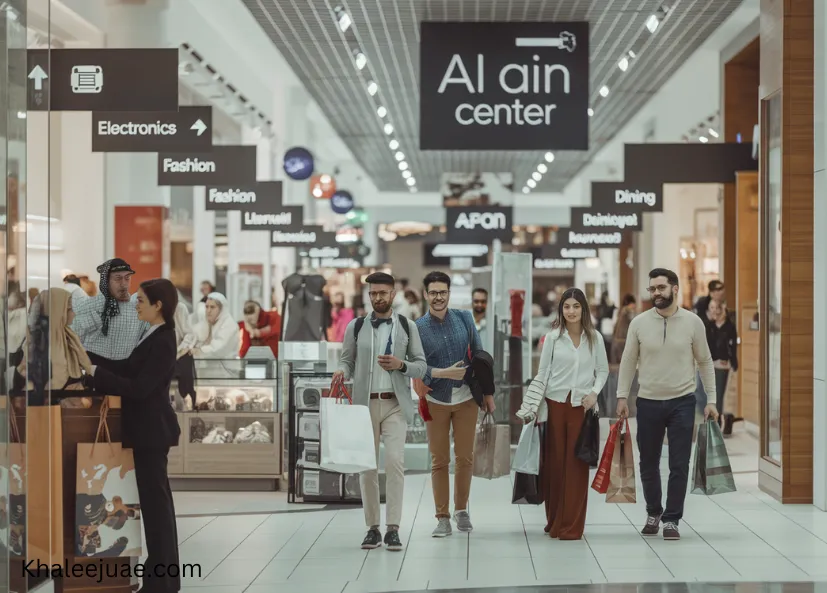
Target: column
(787, 248)
(131, 179)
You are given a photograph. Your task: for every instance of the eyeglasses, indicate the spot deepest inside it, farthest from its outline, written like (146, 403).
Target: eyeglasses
(438, 294)
(480, 302)
(381, 294)
(659, 288)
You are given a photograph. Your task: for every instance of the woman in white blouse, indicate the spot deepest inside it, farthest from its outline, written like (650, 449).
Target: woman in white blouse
(573, 369)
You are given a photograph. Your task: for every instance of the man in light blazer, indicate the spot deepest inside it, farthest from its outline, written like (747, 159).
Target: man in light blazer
(382, 353)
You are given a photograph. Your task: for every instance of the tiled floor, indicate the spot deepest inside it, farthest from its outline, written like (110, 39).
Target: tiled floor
(744, 536)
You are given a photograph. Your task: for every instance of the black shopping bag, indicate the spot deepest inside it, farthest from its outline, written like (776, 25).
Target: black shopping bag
(587, 447)
(527, 489)
(713, 472)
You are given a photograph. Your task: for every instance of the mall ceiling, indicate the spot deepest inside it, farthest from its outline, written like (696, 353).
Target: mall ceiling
(309, 37)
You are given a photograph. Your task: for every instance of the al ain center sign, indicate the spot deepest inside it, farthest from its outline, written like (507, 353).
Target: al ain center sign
(504, 86)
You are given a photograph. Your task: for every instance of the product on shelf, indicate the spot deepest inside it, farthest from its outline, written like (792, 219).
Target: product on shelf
(218, 435)
(238, 399)
(254, 433)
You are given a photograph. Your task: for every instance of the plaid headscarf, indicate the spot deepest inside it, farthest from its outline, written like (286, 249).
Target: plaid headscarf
(110, 307)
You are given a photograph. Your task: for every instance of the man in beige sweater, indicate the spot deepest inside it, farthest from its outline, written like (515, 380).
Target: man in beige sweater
(664, 345)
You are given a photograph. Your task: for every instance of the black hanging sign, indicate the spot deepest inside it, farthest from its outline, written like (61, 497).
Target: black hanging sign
(504, 86)
(592, 219)
(559, 251)
(549, 263)
(224, 165)
(338, 256)
(259, 196)
(187, 130)
(308, 235)
(279, 218)
(102, 79)
(578, 238)
(479, 224)
(627, 197)
(655, 164)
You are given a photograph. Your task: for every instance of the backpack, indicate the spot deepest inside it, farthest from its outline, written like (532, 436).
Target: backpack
(360, 321)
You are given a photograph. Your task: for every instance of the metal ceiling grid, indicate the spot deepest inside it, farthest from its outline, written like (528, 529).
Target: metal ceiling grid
(387, 32)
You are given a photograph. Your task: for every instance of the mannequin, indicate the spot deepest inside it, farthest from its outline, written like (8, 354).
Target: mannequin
(303, 310)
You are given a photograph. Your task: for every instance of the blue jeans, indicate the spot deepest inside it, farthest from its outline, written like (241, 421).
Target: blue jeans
(674, 418)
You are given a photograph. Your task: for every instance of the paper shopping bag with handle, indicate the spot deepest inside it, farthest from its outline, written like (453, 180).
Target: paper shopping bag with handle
(347, 444)
(107, 507)
(604, 468)
(492, 449)
(622, 475)
(713, 473)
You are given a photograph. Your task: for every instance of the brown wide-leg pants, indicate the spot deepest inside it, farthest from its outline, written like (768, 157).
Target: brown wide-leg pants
(565, 478)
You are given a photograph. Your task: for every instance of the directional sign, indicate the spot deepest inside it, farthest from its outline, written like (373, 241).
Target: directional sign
(592, 219)
(224, 165)
(102, 79)
(263, 196)
(618, 196)
(310, 235)
(186, 130)
(592, 238)
(282, 218)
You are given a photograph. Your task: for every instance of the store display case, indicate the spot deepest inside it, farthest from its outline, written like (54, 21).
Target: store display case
(234, 430)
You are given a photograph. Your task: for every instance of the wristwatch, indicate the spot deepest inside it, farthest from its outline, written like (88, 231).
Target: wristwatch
(403, 368)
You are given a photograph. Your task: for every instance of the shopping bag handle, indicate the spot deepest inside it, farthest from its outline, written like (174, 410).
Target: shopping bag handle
(338, 391)
(103, 427)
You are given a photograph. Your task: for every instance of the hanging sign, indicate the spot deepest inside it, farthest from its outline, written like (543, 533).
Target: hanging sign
(224, 165)
(186, 130)
(627, 197)
(259, 196)
(479, 225)
(308, 235)
(686, 163)
(564, 252)
(322, 187)
(278, 218)
(504, 86)
(102, 79)
(542, 263)
(298, 163)
(590, 238)
(589, 219)
(341, 202)
(338, 256)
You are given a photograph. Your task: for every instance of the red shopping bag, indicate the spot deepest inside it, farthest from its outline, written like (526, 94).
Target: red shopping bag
(604, 469)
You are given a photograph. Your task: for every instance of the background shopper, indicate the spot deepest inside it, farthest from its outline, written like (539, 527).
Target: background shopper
(382, 353)
(722, 338)
(150, 427)
(574, 360)
(259, 328)
(185, 364)
(340, 317)
(450, 341)
(218, 335)
(627, 312)
(664, 344)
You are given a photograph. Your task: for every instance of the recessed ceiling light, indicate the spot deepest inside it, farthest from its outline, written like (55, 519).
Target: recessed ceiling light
(394, 144)
(713, 133)
(400, 156)
(381, 112)
(549, 157)
(542, 168)
(342, 18)
(406, 174)
(411, 181)
(703, 139)
(403, 166)
(590, 112)
(360, 59)
(526, 190)
(388, 129)
(652, 23)
(536, 176)
(372, 88)
(604, 91)
(531, 183)
(623, 64)
(632, 54)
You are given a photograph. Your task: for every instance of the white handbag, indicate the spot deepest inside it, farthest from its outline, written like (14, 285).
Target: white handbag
(527, 456)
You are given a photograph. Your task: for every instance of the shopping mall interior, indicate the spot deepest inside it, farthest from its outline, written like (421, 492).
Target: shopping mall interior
(137, 137)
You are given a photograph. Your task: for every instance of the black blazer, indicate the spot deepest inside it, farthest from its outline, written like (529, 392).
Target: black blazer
(147, 418)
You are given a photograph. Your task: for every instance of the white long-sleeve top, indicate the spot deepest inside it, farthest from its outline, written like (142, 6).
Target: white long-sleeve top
(577, 370)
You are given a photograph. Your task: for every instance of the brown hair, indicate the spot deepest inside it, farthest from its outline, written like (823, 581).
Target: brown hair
(585, 315)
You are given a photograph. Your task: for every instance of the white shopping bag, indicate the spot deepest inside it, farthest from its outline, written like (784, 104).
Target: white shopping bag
(527, 457)
(347, 445)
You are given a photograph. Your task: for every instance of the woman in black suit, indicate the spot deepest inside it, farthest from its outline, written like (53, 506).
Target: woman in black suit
(150, 428)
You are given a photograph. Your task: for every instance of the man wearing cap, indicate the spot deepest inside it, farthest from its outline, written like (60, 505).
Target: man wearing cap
(108, 324)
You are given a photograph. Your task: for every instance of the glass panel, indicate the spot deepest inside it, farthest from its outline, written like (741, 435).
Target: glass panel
(771, 252)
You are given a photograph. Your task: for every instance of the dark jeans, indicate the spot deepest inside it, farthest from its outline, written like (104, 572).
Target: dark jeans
(674, 418)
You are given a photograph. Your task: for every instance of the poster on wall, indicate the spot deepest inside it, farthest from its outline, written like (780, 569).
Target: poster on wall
(477, 189)
(504, 86)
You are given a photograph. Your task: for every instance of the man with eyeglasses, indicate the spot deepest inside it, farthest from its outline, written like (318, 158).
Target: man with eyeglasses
(382, 356)
(450, 340)
(665, 344)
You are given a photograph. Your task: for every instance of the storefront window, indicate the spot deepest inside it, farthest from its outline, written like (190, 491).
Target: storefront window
(771, 281)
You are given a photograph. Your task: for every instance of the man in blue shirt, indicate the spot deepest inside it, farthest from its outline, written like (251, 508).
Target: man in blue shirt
(450, 339)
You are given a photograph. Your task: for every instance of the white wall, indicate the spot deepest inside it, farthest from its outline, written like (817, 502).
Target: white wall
(820, 262)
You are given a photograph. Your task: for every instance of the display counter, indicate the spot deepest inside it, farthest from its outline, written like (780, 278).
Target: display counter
(231, 438)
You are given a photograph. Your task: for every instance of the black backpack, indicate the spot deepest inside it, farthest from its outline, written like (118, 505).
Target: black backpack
(360, 321)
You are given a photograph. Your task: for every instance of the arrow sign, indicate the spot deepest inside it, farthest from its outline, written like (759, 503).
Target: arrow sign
(199, 126)
(185, 130)
(38, 75)
(566, 41)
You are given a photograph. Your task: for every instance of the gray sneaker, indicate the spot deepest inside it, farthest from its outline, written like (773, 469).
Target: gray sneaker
(443, 528)
(463, 520)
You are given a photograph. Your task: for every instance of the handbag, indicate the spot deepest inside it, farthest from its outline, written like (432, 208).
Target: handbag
(536, 390)
(587, 447)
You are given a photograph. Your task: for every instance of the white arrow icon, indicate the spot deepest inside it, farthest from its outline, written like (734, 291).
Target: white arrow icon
(199, 126)
(38, 74)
